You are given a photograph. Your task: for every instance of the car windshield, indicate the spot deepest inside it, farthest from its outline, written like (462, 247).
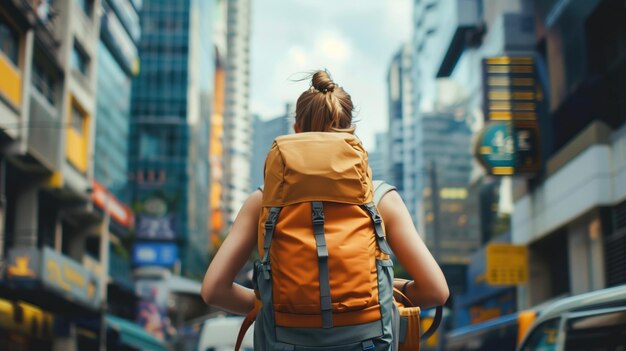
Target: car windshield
(543, 337)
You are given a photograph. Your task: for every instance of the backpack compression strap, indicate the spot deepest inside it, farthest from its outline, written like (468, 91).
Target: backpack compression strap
(270, 225)
(317, 208)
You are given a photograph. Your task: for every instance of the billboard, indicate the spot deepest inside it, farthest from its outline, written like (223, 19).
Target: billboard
(156, 219)
(56, 272)
(155, 254)
(152, 308)
(105, 200)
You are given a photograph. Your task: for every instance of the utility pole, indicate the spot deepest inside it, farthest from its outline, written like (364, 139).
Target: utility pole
(104, 260)
(3, 209)
(436, 212)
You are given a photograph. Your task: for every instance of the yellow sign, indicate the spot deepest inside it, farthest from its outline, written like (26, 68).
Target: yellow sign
(21, 267)
(453, 193)
(506, 264)
(25, 319)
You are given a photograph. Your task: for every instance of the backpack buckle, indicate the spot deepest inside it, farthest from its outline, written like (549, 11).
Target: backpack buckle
(318, 221)
(376, 218)
(266, 268)
(318, 214)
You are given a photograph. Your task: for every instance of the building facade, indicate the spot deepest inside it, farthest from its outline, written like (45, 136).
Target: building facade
(237, 118)
(571, 214)
(53, 210)
(47, 104)
(401, 120)
(118, 64)
(171, 110)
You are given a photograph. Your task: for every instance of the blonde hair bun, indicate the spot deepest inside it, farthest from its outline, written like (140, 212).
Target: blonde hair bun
(324, 106)
(322, 82)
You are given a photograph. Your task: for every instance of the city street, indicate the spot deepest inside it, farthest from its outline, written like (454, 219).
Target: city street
(138, 138)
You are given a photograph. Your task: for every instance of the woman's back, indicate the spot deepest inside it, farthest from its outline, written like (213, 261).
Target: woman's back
(305, 277)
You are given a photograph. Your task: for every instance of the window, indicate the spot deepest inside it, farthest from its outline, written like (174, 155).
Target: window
(43, 82)
(9, 41)
(80, 60)
(597, 331)
(78, 119)
(544, 337)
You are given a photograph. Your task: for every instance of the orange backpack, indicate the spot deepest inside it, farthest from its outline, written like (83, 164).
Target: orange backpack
(325, 277)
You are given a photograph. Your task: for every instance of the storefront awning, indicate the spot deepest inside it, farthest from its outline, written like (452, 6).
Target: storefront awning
(133, 335)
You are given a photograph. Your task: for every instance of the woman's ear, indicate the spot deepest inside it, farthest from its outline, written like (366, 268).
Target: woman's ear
(296, 128)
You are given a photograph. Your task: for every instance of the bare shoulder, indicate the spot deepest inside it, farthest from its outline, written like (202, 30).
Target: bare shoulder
(391, 206)
(253, 203)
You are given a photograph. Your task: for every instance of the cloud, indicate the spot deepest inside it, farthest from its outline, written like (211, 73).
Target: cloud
(354, 40)
(333, 47)
(298, 56)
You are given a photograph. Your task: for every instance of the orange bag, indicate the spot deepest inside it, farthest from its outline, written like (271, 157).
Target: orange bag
(325, 277)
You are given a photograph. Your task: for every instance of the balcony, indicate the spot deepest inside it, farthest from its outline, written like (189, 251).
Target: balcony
(44, 132)
(464, 17)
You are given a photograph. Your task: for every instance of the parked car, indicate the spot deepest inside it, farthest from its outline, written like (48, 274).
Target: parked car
(591, 321)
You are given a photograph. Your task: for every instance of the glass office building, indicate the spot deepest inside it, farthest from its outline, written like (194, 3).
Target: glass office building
(112, 122)
(169, 128)
(117, 64)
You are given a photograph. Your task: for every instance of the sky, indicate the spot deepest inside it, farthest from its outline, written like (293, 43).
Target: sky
(353, 39)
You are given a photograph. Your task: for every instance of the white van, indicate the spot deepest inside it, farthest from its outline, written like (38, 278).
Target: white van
(594, 321)
(220, 334)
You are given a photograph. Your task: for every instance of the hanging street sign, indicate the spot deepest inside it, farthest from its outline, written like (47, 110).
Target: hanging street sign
(505, 148)
(506, 264)
(509, 142)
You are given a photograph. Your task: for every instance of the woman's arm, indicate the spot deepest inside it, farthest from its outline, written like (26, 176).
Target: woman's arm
(218, 288)
(430, 288)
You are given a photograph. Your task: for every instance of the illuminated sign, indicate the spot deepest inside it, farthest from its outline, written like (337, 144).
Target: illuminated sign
(510, 91)
(155, 254)
(25, 319)
(23, 263)
(506, 264)
(156, 220)
(453, 193)
(509, 142)
(507, 148)
(69, 278)
(56, 271)
(119, 212)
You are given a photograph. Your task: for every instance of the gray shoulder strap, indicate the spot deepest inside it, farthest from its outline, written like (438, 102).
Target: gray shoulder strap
(380, 189)
(260, 187)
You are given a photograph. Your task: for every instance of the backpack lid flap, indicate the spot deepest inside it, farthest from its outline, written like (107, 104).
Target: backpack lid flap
(317, 166)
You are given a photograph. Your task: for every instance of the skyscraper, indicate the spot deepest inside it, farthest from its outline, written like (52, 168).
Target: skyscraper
(172, 98)
(237, 118)
(117, 64)
(378, 158)
(401, 120)
(265, 131)
(445, 149)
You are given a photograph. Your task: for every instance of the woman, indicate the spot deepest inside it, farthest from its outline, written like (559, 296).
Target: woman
(325, 107)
